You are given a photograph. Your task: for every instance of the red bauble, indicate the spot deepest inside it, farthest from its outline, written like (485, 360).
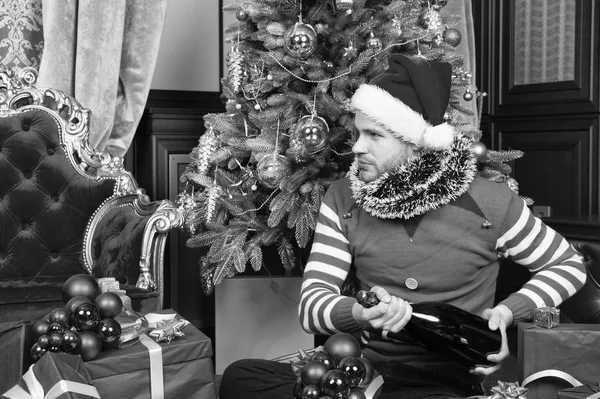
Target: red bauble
(369, 372)
(55, 340)
(335, 383)
(326, 358)
(43, 341)
(80, 284)
(85, 317)
(342, 345)
(37, 352)
(109, 305)
(356, 393)
(55, 328)
(311, 392)
(110, 330)
(76, 301)
(71, 342)
(40, 328)
(313, 371)
(59, 316)
(355, 369)
(91, 345)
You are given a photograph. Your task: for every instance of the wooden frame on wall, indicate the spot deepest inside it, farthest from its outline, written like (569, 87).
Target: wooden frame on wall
(578, 94)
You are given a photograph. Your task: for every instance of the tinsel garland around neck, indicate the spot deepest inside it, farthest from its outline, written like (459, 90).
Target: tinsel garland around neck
(422, 184)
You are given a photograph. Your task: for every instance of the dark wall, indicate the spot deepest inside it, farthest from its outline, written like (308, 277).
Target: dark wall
(556, 123)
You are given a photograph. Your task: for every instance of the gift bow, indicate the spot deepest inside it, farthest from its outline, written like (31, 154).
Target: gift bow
(36, 390)
(508, 390)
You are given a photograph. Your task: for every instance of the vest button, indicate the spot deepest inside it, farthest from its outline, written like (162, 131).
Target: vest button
(411, 283)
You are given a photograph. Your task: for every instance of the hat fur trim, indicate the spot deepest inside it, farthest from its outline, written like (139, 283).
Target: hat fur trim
(403, 121)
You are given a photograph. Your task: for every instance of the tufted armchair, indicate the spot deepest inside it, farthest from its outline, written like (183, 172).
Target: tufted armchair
(67, 209)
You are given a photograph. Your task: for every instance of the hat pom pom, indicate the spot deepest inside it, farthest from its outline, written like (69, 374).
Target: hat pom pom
(438, 137)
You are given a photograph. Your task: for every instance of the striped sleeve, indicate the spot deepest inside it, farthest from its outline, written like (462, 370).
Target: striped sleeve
(322, 309)
(558, 269)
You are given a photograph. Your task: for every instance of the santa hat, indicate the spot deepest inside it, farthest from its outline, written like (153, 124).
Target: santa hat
(410, 99)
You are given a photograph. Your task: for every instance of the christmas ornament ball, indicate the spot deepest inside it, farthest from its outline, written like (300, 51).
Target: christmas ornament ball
(80, 284)
(37, 352)
(468, 96)
(55, 328)
(335, 383)
(312, 372)
(452, 36)
(324, 357)
(342, 345)
(272, 169)
(355, 369)
(480, 150)
(76, 301)
(241, 15)
(85, 317)
(312, 131)
(374, 43)
(311, 392)
(43, 341)
(300, 40)
(431, 20)
(71, 341)
(110, 330)
(109, 305)
(55, 340)
(59, 316)
(40, 328)
(91, 345)
(369, 372)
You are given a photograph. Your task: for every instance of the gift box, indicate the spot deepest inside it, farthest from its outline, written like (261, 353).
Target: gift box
(584, 391)
(564, 356)
(54, 375)
(16, 339)
(180, 369)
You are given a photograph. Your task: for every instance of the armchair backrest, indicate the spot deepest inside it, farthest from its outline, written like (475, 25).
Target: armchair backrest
(66, 208)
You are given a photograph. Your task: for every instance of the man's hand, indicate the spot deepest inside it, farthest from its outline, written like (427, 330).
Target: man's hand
(499, 317)
(390, 315)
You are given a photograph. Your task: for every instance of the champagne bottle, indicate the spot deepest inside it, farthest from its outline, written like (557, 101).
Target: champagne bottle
(447, 330)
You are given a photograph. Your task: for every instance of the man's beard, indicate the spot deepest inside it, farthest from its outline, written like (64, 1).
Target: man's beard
(389, 166)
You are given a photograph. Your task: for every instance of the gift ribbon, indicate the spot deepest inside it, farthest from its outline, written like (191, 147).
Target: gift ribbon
(558, 374)
(157, 388)
(373, 387)
(36, 390)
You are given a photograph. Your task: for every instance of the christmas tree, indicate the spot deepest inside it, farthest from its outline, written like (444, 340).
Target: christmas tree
(259, 172)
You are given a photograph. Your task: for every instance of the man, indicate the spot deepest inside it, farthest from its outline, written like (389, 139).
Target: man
(413, 222)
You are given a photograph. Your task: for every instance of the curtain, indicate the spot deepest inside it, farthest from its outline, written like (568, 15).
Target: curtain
(463, 9)
(21, 34)
(103, 53)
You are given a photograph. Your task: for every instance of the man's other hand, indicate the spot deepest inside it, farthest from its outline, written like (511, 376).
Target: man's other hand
(390, 315)
(498, 318)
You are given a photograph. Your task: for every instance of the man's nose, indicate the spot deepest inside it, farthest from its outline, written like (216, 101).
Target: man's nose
(359, 147)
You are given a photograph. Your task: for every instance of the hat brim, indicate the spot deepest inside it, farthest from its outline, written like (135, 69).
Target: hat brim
(405, 123)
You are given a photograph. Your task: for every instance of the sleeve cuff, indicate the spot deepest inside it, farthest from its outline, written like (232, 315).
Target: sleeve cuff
(343, 316)
(521, 307)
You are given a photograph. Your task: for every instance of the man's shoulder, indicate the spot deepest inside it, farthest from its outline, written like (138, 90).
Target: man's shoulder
(486, 187)
(339, 192)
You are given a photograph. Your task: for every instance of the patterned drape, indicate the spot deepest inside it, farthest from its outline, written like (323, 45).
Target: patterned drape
(103, 53)
(544, 41)
(21, 34)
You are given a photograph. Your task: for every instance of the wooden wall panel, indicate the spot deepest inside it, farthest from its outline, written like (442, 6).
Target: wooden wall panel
(558, 166)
